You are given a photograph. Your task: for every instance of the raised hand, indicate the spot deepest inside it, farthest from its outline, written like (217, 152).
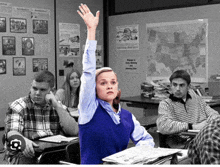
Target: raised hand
(90, 20)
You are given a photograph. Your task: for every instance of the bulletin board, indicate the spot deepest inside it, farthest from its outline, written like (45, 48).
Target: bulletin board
(71, 36)
(27, 45)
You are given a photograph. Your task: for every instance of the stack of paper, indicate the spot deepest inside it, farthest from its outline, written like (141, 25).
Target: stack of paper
(183, 156)
(139, 155)
(58, 139)
(194, 130)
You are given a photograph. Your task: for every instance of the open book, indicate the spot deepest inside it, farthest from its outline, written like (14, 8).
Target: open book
(58, 139)
(139, 155)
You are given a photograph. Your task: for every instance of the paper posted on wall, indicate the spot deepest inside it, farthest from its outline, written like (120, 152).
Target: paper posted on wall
(139, 155)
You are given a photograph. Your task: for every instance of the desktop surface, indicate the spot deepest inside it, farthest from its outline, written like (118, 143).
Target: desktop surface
(49, 146)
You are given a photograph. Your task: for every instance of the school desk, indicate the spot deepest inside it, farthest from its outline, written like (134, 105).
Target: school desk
(151, 106)
(52, 153)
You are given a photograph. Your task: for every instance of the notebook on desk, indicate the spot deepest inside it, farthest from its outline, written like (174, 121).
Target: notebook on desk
(193, 130)
(58, 139)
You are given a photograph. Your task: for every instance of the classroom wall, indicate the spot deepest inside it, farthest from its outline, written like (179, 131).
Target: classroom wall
(13, 87)
(67, 13)
(129, 83)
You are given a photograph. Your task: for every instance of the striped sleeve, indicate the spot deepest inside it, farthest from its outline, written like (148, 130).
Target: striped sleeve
(210, 112)
(165, 121)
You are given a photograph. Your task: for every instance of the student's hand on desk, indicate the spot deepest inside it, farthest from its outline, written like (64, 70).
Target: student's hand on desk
(200, 125)
(29, 149)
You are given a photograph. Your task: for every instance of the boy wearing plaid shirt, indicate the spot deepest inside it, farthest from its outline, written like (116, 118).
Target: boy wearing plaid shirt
(35, 116)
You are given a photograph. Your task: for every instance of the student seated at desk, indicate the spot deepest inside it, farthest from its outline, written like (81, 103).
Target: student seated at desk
(183, 110)
(205, 147)
(104, 127)
(37, 115)
(68, 94)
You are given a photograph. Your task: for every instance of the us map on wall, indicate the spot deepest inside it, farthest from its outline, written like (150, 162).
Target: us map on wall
(178, 45)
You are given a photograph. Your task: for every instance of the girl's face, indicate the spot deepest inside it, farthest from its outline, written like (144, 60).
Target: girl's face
(107, 86)
(74, 80)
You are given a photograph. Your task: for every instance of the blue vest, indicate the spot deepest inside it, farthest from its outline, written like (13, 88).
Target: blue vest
(101, 137)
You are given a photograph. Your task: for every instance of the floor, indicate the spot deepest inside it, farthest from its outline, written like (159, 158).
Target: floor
(152, 131)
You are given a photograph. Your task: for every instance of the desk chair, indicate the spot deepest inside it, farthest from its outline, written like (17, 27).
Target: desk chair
(69, 154)
(52, 157)
(184, 159)
(73, 153)
(163, 140)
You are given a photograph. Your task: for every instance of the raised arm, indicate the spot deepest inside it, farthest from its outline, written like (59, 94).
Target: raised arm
(90, 21)
(87, 98)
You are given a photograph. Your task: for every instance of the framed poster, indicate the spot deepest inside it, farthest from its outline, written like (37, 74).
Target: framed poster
(19, 66)
(27, 46)
(40, 26)
(18, 25)
(40, 64)
(2, 24)
(2, 66)
(8, 45)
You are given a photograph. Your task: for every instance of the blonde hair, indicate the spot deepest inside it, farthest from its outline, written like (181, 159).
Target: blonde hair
(103, 69)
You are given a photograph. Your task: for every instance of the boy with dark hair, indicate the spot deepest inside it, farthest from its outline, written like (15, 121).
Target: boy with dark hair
(183, 109)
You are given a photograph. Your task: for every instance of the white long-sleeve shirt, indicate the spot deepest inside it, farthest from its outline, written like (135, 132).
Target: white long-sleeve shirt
(88, 102)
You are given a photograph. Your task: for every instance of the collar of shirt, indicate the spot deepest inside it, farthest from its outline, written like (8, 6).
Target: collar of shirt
(176, 99)
(115, 116)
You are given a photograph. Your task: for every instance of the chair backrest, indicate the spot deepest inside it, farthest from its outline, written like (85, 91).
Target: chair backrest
(162, 140)
(52, 157)
(174, 140)
(73, 153)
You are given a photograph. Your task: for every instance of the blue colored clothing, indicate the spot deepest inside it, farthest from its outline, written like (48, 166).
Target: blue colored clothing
(93, 147)
(88, 102)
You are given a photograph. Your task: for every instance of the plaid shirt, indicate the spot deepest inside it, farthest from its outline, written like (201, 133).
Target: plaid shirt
(205, 147)
(32, 120)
